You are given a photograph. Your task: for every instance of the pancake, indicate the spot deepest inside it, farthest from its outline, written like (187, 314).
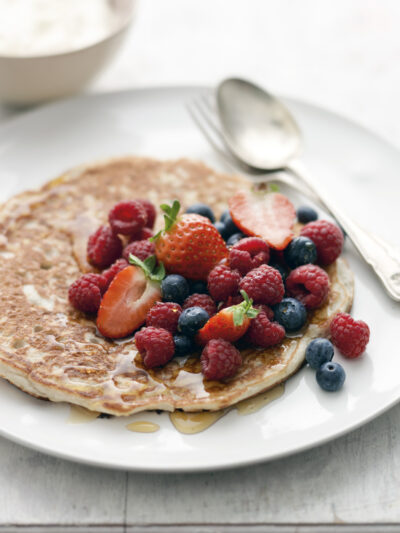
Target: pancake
(50, 350)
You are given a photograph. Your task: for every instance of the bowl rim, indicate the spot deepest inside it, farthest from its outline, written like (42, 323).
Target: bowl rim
(119, 29)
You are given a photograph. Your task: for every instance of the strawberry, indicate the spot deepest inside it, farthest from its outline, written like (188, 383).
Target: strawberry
(230, 323)
(267, 215)
(129, 298)
(189, 245)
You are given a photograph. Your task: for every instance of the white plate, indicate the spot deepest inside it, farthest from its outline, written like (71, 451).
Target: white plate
(361, 172)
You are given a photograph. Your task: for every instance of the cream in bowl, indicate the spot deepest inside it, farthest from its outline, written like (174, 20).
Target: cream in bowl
(53, 48)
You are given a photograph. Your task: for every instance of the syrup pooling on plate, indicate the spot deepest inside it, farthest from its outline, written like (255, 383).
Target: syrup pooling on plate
(80, 415)
(142, 426)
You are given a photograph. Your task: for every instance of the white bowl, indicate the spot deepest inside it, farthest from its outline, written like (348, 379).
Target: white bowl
(33, 79)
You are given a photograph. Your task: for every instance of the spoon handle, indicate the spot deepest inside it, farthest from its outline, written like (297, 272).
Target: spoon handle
(380, 255)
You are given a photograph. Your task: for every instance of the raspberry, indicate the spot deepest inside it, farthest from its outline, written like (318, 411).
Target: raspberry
(103, 247)
(309, 284)
(223, 282)
(156, 346)
(266, 309)
(85, 292)
(114, 269)
(164, 315)
(201, 300)
(144, 233)
(328, 239)
(262, 332)
(263, 285)
(150, 212)
(348, 335)
(248, 253)
(127, 217)
(220, 359)
(232, 300)
(142, 249)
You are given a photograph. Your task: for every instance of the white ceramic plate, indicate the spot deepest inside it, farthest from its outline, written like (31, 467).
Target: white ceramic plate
(360, 170)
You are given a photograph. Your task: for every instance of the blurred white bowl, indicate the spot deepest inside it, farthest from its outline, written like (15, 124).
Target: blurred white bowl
(33, 79)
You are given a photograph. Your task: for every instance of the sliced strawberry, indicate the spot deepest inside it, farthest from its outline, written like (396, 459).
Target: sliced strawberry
(267, 215)
(229, 324)
(126, 303)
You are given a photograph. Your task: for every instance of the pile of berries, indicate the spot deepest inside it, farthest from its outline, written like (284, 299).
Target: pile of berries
(202, 284)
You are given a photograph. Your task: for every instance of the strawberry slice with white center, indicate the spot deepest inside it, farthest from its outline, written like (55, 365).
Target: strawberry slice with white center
(130, 296)
(269, 215)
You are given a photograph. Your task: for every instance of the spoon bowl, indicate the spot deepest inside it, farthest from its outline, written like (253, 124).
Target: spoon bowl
(257, 127)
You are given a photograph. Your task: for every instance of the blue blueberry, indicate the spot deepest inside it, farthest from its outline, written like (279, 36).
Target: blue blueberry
(224, 216)
(202, 209)
(191, 320)
(300, 251)
(198, 287)
(291, 314)
(284, 272)
(174, 288)
(306, 214)
(183, 344)
(319, 351)
(330, 376)
(233, 239)
(221, 228)
(230, 227)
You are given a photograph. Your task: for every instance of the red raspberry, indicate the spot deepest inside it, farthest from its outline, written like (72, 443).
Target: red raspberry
(309, 284)
(142, 249)
(164, 315)
(220, 359)
(103, 247)
(263, 285)
(223, 282)
(150, 212)
(248, 253)
(232, 300)
(266, 309)
(127, 218)
(348, 335)
(264, 333)
(85, 292)
(156, 346)
(114, 269)
(328, 239)
(144, 233)
(201, 300)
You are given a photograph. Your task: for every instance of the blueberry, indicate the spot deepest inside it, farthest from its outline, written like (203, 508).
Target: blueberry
(233, 239)
(230, 226)
(221, 228)
(291, 314)
(330, 376)
(198, 287)
(183, 344)
(300, 251)
(224, 216)
(191, 320)
(306, 214)
(319, 351)
(202, 209)
(174, 288)
(284, 272)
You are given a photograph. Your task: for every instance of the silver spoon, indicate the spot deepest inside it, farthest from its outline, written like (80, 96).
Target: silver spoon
(260, 131)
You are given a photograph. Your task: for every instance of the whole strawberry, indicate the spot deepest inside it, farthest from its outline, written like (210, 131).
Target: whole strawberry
(189, 245)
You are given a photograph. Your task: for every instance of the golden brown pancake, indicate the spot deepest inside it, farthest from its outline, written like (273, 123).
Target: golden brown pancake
(52, 351)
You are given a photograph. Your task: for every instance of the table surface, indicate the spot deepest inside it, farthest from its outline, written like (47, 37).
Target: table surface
(340, 55)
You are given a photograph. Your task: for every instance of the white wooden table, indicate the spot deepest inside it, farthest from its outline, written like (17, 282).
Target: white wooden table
(341, 55)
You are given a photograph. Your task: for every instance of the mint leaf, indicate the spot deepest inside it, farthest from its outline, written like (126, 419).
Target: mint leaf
(273, 187)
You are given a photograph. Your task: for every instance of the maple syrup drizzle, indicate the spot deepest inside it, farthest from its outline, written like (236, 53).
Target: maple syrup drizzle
(252, 405)
(142, 426)
(81, 415)
(190, 423)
